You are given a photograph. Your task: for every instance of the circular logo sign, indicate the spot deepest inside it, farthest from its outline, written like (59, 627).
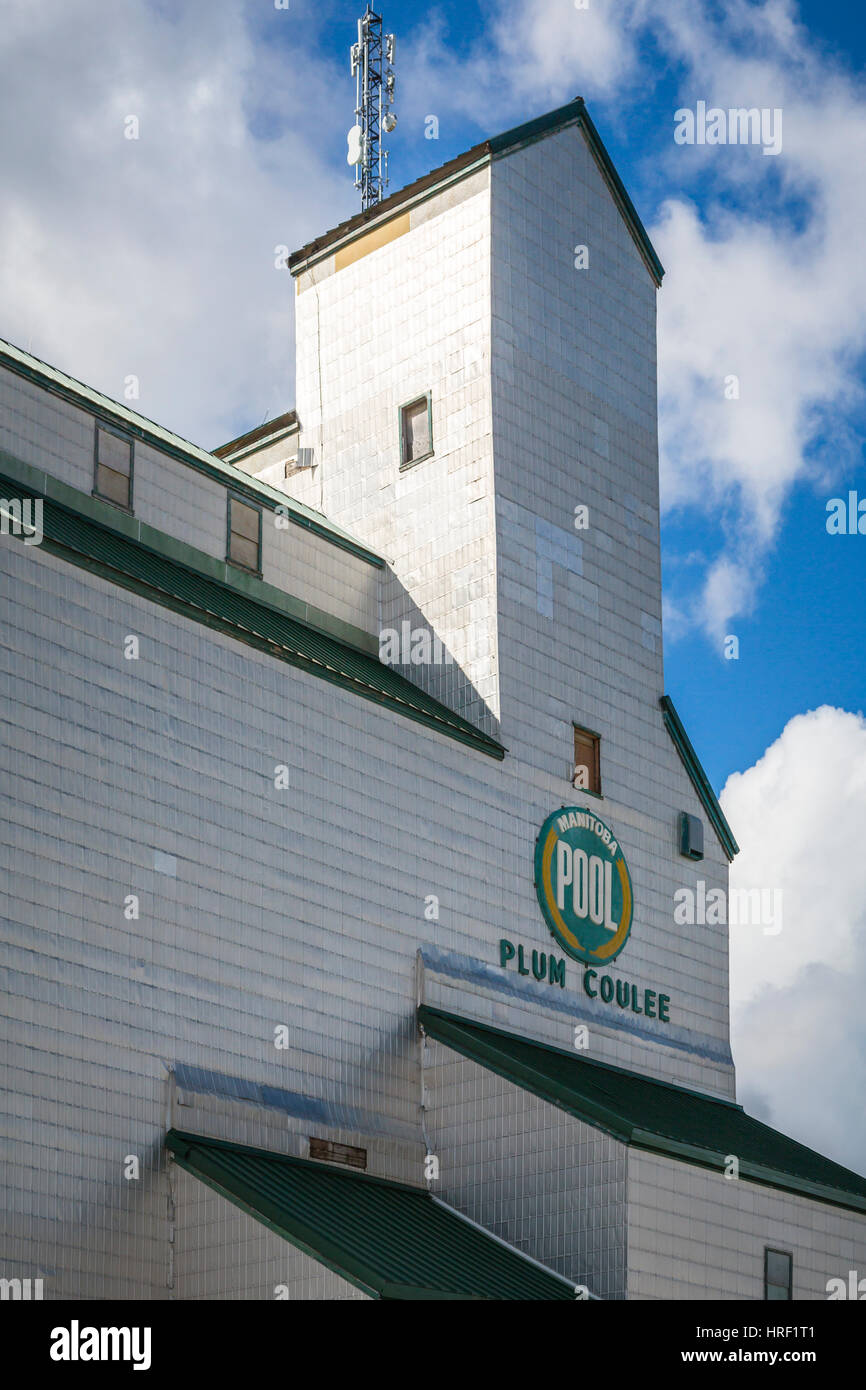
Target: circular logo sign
(583, 885)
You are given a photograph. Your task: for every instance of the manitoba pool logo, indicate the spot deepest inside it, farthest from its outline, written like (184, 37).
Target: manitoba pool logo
(583, 885)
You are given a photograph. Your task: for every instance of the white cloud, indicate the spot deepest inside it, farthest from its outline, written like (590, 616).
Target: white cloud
(780, 302)
(549, 48)
(531, 56)
(798, 1024)
(155, 256)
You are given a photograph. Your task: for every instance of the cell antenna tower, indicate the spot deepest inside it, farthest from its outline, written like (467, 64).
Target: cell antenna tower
(374, 97)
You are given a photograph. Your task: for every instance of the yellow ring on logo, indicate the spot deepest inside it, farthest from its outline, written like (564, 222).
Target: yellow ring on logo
(612, 946)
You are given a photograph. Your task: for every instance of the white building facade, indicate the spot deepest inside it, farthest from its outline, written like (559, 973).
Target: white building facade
(327, 974)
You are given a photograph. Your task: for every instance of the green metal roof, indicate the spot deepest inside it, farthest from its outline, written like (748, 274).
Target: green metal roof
(52, 379)
(94, 546)
(388, 1239)
(700, 780)
(649, 1114)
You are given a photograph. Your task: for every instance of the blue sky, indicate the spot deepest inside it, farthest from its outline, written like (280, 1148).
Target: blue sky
(156, 257)
(803, 647)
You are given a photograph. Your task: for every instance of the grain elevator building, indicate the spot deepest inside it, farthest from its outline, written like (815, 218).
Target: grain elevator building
(344, 809)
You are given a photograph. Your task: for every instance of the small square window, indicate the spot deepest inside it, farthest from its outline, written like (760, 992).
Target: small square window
(586, 775)
(416, 431)
(113, 467)
(244, 535)
(778, 1274)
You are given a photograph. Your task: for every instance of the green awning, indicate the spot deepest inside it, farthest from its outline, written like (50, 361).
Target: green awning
(388, 1239)
(648, 1114)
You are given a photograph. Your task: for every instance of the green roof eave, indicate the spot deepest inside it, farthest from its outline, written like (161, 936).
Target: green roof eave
(388, 1239)
(652, 1115)
(59, 384)
(700, 781)
(239, 609)
(760, 1173)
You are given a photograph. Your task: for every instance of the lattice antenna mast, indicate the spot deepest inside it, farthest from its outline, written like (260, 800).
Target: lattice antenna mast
(374, 98)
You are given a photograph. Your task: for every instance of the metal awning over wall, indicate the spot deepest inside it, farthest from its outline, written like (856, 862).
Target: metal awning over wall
(390, 1240)
(649, 1114)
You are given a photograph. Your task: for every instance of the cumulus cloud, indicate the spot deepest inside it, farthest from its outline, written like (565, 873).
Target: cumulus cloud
(531, 55)
(765, 283)
(798, 1027)
(155, 256)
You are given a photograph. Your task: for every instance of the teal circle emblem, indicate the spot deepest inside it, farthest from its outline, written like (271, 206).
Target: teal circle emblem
(583, 885)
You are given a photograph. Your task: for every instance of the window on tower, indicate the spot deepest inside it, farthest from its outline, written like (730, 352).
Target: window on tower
(416, 431)
(244, 542)
(586, 774)
(778, 1274)
(112, 472)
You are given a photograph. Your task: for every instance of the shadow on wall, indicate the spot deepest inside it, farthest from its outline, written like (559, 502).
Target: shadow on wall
(410, 644)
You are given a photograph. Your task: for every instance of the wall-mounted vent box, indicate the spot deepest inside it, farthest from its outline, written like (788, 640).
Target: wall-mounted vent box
(691, 836)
